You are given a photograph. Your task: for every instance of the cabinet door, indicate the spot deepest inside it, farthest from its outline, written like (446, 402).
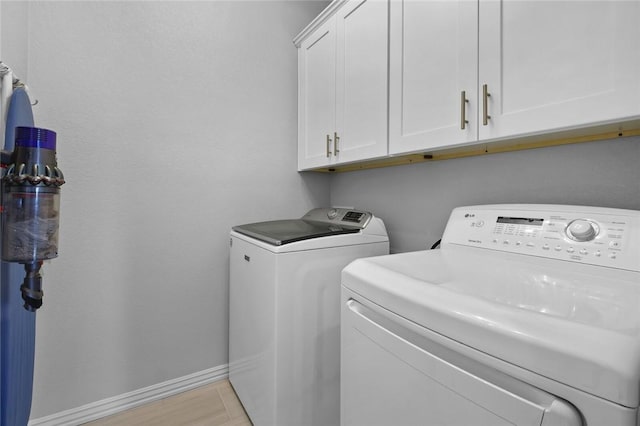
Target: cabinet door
(553, 65)
(317, 102)
(361, 91)
(433, 60)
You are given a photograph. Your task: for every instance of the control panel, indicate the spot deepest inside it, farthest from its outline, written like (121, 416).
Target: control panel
(348, 218)
(597, 236)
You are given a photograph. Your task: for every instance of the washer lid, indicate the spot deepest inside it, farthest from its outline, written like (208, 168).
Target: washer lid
(320, 222)
(279, 232)
(576, 324)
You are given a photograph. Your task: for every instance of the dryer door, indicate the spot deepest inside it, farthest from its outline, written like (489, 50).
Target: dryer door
(394, 373)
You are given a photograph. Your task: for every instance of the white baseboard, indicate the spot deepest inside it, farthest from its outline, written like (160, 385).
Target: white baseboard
(125, 401)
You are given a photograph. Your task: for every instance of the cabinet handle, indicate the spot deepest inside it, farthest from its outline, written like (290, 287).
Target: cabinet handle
(463, 110)
(485, 105)
(328, 146)
(336, 139)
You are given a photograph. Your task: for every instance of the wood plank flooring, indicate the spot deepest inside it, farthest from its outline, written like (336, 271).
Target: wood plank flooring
(215, 404)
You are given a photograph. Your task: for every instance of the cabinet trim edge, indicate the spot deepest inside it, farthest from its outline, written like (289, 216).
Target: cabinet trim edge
(327, 13)
(475, 149)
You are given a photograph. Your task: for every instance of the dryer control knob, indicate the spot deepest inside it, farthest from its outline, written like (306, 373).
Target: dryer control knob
(332, 214)
(582, 230)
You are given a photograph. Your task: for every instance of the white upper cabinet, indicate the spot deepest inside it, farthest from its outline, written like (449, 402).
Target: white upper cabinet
(362, 60)
(557, 65)
(433, 64)
(527, 67)
(317, 96)
(342, 66)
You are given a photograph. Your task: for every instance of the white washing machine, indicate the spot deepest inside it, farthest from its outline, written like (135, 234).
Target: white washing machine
(284, 322)
(527, 315)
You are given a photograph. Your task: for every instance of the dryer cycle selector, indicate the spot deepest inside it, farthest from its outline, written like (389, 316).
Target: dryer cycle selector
(582, 230)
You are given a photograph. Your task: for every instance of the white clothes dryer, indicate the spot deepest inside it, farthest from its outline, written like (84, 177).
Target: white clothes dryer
(527, 315)
(284, 322)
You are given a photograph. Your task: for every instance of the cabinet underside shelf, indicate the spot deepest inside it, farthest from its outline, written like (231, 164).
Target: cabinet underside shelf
(475, 149)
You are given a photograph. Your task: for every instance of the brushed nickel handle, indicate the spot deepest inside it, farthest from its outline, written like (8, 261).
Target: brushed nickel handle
(463, 110)
(485, 105)
(328, 146)
(336, 139)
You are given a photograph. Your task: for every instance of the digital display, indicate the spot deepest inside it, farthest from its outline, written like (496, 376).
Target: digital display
(520, 220)
(352, 217)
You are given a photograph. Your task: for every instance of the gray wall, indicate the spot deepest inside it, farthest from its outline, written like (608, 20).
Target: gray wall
(415, 201)
(175, 121)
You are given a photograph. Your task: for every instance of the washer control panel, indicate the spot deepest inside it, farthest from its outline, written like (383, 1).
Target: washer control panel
(598, 236)
(337, 216)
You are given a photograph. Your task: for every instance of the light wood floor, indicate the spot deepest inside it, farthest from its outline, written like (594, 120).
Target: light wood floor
(211, 405)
